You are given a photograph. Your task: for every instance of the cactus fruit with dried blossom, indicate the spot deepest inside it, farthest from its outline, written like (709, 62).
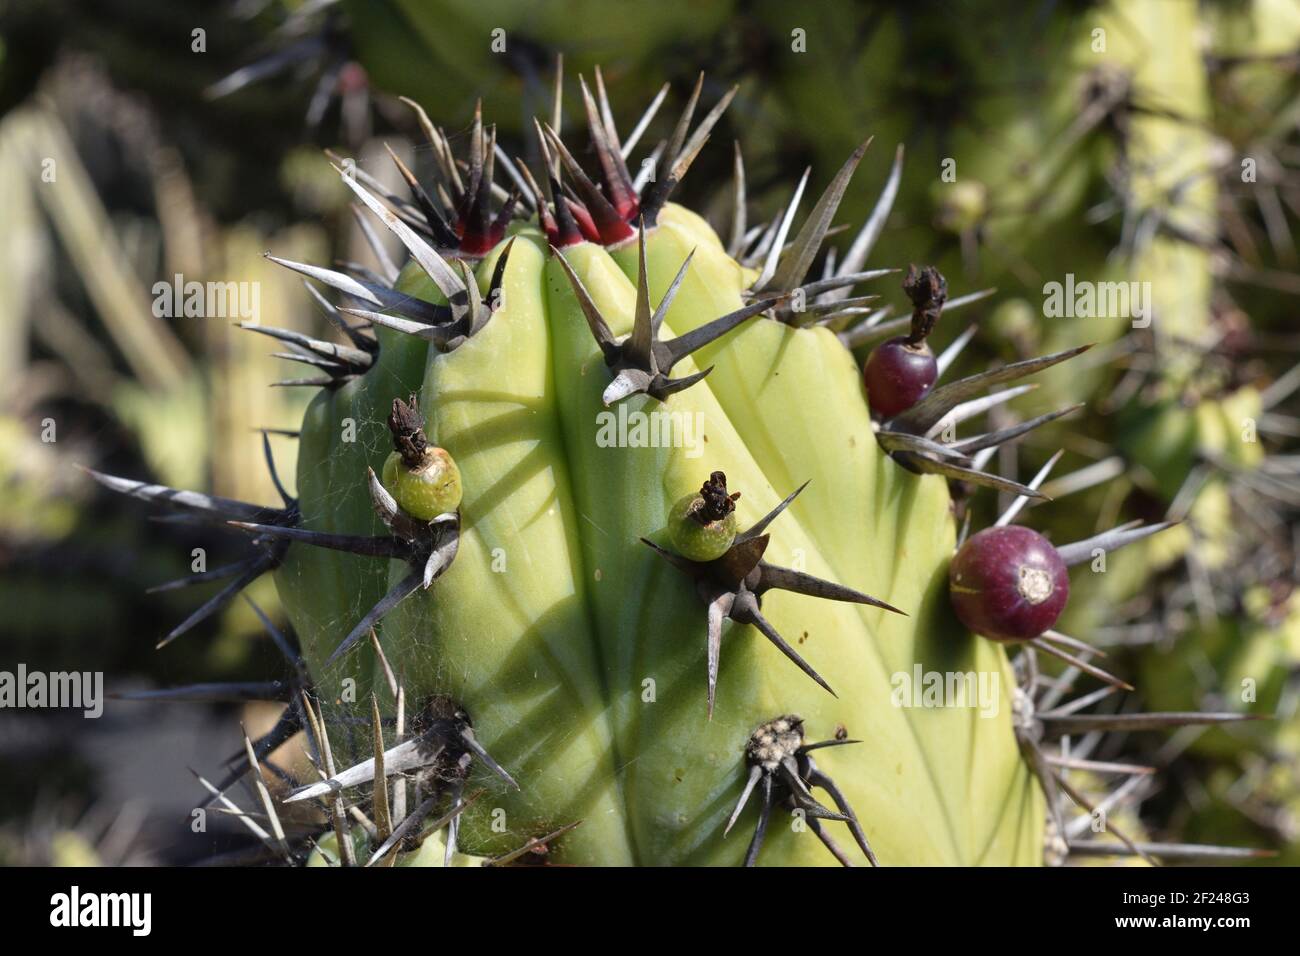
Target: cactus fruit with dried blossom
(548, 642)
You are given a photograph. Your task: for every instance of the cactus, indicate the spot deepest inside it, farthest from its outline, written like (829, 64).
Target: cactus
(596, 629)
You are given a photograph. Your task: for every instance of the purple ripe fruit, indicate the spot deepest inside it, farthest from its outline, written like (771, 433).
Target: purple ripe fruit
(899, 371)
(1008, 584)
(897, 374)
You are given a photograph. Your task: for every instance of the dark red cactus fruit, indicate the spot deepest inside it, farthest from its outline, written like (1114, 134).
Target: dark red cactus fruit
(901, 370)
(898, 375)
(1008, 584)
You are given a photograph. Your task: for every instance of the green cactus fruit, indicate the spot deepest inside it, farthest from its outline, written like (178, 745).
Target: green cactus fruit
(702, 526)
(422, 478)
